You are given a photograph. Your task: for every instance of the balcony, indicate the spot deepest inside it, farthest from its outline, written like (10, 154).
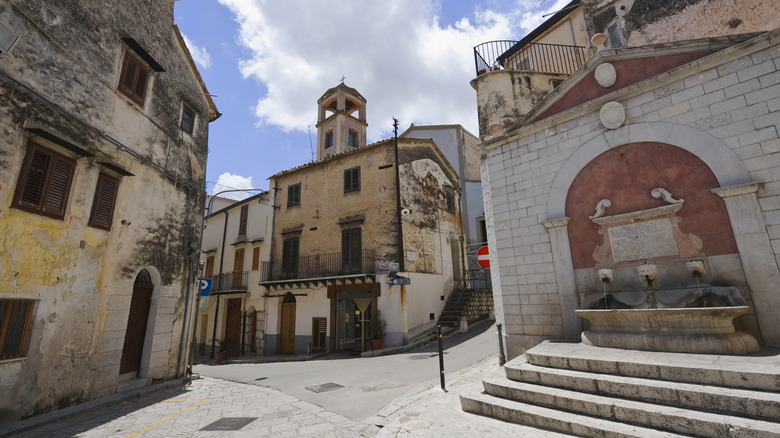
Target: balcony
(230, 281)
(535, 57)
(319, 268)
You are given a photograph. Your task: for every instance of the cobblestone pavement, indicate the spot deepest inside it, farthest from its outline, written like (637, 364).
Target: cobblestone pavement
(185, 411)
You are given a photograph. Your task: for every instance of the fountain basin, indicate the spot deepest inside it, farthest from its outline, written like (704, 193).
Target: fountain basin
(686, 330)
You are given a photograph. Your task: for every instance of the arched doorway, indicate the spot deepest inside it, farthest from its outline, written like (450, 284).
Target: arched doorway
(137, 320)
(288, 325)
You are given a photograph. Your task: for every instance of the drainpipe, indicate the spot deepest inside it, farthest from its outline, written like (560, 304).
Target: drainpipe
(221, 260)
(398, 201)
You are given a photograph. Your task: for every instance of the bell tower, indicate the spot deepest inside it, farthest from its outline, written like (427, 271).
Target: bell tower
(338, 128)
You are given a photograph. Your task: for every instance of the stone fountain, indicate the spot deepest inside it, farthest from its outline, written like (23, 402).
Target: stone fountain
(659, 316)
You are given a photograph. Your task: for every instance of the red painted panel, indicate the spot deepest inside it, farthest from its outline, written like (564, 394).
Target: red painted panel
(629, 71)
(626, 175)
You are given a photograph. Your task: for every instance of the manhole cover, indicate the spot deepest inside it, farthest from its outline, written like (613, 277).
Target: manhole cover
(324, 387)
(234, 423)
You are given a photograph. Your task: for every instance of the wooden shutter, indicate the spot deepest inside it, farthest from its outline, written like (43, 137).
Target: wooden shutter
(44, 183)
(209, 267)
(242, 221)
(14, 327)
(103, 203)
(133, 79)
(318, 333)
(238, 260)
(256, 258)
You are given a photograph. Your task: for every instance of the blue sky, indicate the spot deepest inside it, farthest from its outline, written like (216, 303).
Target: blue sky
(268, 62)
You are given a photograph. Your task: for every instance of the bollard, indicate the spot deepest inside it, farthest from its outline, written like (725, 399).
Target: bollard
(441, 358)
(501, 357)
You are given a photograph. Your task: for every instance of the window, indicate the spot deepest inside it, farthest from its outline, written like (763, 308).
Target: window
(256, 258)
(44, 183)
(187, 119)
(352, 139)
(14, 327)
(351, 250)
(134, 78)
(290, 257)
(615, 40)
(209, 267)
(352, 179)
(450, 195)
(243, 220)
(238, 269)
(294, 195)
(103, 203)
(329, 139)
(318, 333)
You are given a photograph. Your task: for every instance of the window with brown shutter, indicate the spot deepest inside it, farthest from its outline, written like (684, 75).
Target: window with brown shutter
(103, 203)
(14, 327)
(44, 182)
(256, 258)
(209, 266)
(242, 221)
(318, 333)
(134, 78)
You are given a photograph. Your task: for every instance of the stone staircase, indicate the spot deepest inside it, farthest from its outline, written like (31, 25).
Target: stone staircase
(456, 306)
(605, 392)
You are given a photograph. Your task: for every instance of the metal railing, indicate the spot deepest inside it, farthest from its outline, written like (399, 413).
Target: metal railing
(230, 281)
(538, 57)
(318, 266)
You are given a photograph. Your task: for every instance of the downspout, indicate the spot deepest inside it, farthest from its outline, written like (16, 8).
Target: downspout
(221, 260)
(398, 201)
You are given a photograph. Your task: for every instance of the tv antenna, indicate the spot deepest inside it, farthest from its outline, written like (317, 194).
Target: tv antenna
(311, 146)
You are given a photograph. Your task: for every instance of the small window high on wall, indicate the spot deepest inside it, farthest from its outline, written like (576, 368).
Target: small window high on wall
(134, 78)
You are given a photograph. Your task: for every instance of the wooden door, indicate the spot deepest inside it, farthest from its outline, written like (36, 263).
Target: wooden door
(238, 268)
(135, 334)
(287, 334)
(233, 327)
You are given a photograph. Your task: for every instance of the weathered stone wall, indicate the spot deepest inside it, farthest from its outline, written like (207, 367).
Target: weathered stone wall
(645, 22)
(732, 99)
(62, 75)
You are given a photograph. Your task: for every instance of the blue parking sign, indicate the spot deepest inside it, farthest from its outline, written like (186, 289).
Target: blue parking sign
(205, 286)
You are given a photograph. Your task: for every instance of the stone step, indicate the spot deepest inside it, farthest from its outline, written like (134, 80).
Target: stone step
(763, 373)
(550, 419)
(739, 402)
(648, 415)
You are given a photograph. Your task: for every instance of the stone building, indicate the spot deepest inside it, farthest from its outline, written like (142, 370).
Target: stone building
(654, 156)
(461, 148)
(364, 227)
(236, 240)
(102, 161)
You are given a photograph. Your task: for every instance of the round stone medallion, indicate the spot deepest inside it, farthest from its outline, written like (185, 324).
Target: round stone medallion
(605, 75)
(612, 115)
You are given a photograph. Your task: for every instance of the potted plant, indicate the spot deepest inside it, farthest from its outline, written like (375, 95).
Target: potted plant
(220, 352)
(377, 326)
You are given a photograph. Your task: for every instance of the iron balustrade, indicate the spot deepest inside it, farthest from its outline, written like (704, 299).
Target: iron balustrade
(318, 266)
(230, 281)
(537, 57)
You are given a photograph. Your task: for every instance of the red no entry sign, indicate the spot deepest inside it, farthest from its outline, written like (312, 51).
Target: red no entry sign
(483, 257)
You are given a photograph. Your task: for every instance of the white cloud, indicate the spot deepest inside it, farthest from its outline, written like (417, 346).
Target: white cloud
(199, 54)
(396, 54)
(228, 181)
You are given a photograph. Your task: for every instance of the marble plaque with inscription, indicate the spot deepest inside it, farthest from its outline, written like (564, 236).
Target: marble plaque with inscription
(642, 240)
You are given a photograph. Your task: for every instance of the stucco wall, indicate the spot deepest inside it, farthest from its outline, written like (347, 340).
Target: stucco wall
(730, 100)
(61, 75)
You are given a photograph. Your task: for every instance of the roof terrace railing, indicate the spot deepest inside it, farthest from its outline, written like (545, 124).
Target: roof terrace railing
(538, 57)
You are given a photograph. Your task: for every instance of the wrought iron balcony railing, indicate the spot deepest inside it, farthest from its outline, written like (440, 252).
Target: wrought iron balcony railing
(538, 57)
(318, 266)
(230, 281)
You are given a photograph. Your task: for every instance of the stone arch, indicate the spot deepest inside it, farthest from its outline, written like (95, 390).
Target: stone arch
(724, 163)
(147, 279)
